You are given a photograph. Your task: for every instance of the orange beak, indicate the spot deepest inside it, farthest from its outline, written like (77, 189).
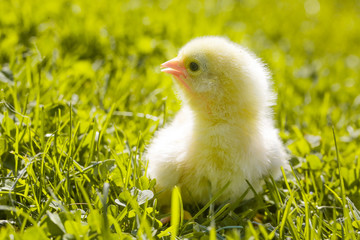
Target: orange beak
(176, 68)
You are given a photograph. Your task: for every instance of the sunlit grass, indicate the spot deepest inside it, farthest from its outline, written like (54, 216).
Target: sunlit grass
(82, 95)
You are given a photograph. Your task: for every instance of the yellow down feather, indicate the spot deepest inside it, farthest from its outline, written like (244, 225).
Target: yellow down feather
(224, 131)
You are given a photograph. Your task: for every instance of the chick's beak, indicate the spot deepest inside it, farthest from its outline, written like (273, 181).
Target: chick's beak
(176, 68)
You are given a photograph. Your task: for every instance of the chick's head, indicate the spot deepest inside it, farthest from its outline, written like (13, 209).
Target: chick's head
(216, 75)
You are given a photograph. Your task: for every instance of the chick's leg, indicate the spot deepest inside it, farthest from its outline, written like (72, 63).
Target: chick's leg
(164, 200)
(167, 219)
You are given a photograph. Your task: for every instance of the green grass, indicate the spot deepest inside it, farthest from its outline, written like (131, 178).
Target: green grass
(82, 95)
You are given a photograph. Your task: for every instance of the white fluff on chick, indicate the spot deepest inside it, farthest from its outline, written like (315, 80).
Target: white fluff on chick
(224, 131)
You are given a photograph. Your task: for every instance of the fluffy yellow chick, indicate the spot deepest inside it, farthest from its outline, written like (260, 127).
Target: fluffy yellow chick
(224, 131)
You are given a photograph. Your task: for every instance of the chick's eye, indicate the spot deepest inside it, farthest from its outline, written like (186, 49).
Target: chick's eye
(194, 66)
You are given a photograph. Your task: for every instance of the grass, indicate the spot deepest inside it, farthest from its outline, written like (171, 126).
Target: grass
(82, 95)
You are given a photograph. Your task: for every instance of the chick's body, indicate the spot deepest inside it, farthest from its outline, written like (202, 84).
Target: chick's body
(224, 131)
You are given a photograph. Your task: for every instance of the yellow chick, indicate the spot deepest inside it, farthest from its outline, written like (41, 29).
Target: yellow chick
(224, 131)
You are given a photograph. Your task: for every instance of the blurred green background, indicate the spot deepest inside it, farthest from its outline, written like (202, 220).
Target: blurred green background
(310, 46)
(80, 84)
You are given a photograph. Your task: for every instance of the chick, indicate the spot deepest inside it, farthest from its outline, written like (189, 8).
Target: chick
(224, 131)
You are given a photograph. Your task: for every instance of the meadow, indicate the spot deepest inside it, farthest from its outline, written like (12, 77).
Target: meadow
(82, 95)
